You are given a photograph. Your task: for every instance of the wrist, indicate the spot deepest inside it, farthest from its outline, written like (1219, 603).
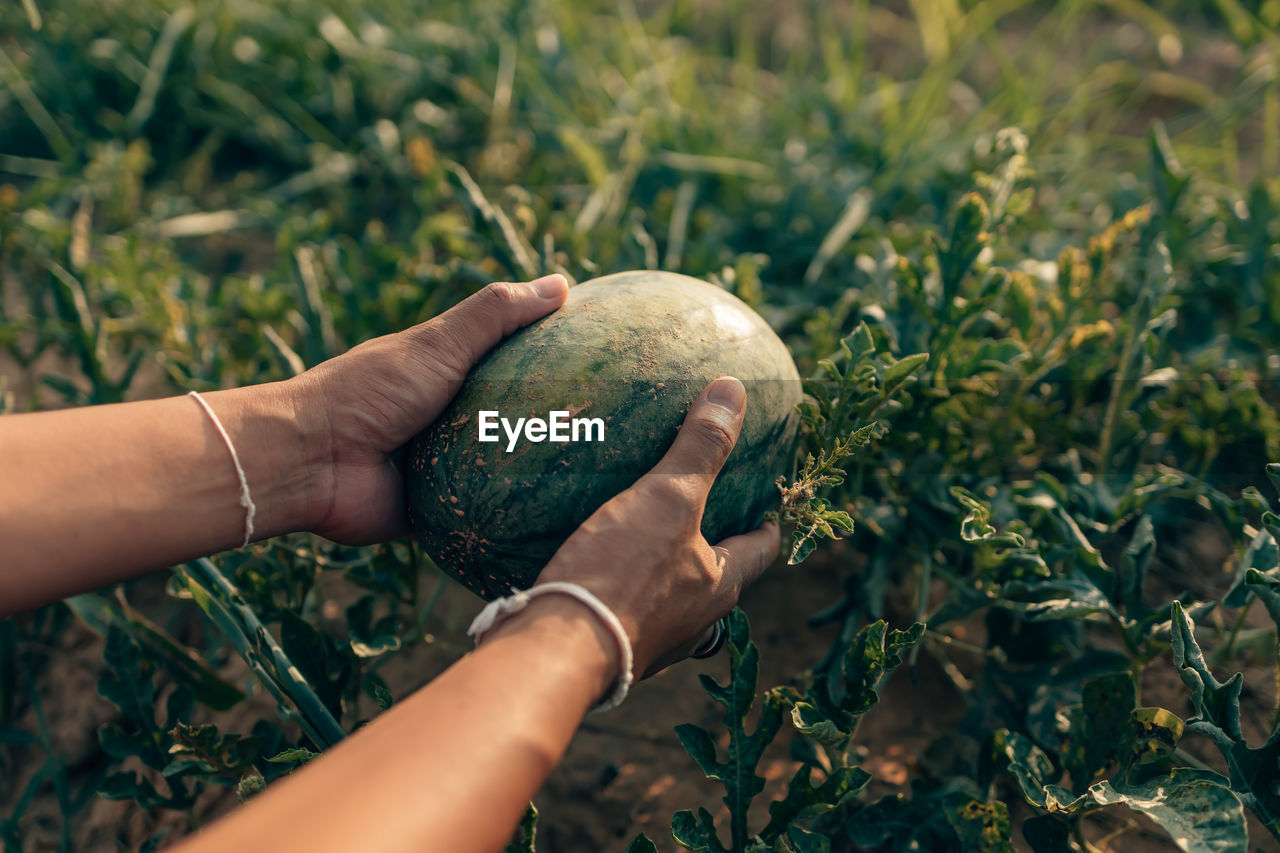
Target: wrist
(281, 448)
(568, 631)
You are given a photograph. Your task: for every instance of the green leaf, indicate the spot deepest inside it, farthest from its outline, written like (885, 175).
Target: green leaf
(1048, 599)
(805, 801)
(204, 752)
(1217, 703)
(1255, 772)
(1132, 573)
(701, 748)
(323, 664)
(895, 823)
(896, 374)
(1156, 733)
(1048, 834)
(803, 841)
(370, 640)
(293, 755)
(981, 827)
(696, 833)
(805, 541)
(1034, 773)
(128, 684)
(1200, 814)
(131, 786)
(1262, 556)
(526, 833)
(1099, 741)
(738, 772)
(1273, 474)
(976, 525)
(813, 724)
(859, 344)
(870, 658)
(641, 844)
(210, 689)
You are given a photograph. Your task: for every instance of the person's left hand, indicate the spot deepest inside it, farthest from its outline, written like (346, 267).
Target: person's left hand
(368, 402)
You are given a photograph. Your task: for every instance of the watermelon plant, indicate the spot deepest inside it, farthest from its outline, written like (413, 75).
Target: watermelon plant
(1024, 256)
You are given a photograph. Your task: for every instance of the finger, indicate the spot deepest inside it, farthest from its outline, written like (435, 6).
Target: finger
(745, 557)
(706, 437)
(462, 335)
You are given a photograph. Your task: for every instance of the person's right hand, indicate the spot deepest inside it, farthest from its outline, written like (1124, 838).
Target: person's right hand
(643, 554)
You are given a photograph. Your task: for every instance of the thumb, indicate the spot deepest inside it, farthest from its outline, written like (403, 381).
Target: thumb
(706, 437)
(462, 335)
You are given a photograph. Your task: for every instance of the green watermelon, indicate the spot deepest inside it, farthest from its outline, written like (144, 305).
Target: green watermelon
(633, 350)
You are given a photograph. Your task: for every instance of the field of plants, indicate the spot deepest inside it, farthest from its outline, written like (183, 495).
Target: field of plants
(1026, 253)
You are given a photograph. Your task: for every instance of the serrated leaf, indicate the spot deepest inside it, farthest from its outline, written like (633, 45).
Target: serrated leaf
(205, 751)
(297, 754)
(869, 658)
(839, 518)
(804, 800)
(805, 542)
(738, 772)
(695, 833)
(859, 343)
(128, 684)
(701, 748)
(210, 689)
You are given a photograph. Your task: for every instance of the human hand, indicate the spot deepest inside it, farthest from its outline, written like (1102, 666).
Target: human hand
(643, 553)
(367, 403)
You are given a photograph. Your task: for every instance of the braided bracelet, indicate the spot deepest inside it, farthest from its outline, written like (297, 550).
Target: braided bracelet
(499, 608)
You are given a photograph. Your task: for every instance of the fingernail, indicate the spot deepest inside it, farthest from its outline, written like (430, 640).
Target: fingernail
(727, 392)
(550, 286)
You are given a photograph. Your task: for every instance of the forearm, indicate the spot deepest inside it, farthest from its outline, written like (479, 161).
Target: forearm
(94, 495)
(451, 767)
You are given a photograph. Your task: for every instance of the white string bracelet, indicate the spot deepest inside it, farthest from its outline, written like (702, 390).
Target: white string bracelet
(499, 608)
(245, 500)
